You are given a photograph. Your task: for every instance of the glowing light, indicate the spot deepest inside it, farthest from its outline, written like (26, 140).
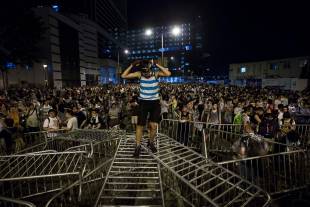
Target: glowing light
(176, 31)
(148, 32)
(126, 51)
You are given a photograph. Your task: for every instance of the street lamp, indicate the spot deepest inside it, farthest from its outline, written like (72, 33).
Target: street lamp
(176, 30)
(45, 74)
(148, 32)
(126, 51)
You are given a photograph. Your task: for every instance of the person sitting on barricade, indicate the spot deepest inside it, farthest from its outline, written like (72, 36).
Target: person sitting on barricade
(52, 123)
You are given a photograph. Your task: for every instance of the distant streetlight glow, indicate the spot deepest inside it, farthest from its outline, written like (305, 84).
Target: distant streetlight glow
(176, 30)
(148, 32)
(126, 51)
(44, 66)
(171, 58)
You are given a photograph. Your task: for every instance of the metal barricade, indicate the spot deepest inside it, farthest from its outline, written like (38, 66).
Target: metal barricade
(303, 131)
(91, 184)
(275, 167)
(197, 181)
(71, 140)
(188, 133)
(58, 162)
(11, 202)
(29, 175)
(275, 173)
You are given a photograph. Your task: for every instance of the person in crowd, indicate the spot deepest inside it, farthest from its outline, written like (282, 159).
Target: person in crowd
(45, 109)
(257, 119)
(164, 103)
(81, 117)
(183, 129)
(148, 99)
(288, 133)
(52, 123)
(214, 116)
(268, 127)
(114, 115)
(6, 135)
(32, 119)
(94, 121)
(134, 107)
(72, 121)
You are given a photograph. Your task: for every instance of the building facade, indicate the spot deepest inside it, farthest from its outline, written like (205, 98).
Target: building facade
(259, 72)
(280, 68)
(70, 52)
(177, 49)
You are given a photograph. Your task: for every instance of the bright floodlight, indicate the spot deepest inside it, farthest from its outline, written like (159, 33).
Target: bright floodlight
(126, 51)
(148, 32)
(176, 31)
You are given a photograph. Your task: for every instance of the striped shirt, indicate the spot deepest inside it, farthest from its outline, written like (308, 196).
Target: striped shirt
(149, 88)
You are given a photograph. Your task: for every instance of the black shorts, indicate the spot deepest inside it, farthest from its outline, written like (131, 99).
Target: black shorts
(146, 107)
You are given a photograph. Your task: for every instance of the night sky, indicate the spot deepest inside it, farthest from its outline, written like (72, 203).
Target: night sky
(236, 30)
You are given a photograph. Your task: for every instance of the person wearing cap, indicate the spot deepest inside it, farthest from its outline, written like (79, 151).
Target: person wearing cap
(148, 98)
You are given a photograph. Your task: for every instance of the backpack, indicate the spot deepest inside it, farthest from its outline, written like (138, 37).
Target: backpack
(238, 119)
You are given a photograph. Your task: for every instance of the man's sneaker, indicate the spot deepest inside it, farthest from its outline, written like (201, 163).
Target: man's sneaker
(152, 147)
(137, 151)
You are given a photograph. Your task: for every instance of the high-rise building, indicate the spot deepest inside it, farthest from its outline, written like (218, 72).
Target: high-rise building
(174, 44)
(109, 14)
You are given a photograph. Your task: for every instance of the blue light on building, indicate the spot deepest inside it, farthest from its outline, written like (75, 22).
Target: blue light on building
(55, 8)
(10, 65)
(188, 47)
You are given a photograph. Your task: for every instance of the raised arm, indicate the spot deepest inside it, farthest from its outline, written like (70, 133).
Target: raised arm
(127, 75)
(164, 72)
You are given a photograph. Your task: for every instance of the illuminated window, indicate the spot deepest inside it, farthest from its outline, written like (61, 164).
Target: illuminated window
(243, 69)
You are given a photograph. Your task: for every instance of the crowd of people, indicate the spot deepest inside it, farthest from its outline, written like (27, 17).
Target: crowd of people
(262, 111)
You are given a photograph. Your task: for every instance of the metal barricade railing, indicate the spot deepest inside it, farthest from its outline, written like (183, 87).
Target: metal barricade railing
(274, 166)
(200, 182)
(71, 140)
(91, 184)
(303, 131)
(58, 161)
(188, 133)
(275, 173)
(28, 175)
(11, 202)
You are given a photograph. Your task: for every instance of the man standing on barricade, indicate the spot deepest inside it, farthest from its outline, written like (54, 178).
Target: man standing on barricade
(148, 98)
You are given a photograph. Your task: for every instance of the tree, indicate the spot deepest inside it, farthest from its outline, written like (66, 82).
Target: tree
(20, 32)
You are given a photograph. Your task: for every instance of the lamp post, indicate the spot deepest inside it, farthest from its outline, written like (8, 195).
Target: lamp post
(45, 74)
(126, 52)
(176, 30)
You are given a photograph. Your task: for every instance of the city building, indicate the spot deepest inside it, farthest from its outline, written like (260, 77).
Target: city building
(73, 52)
(175, 45)
(279, 73)
(109, 14)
